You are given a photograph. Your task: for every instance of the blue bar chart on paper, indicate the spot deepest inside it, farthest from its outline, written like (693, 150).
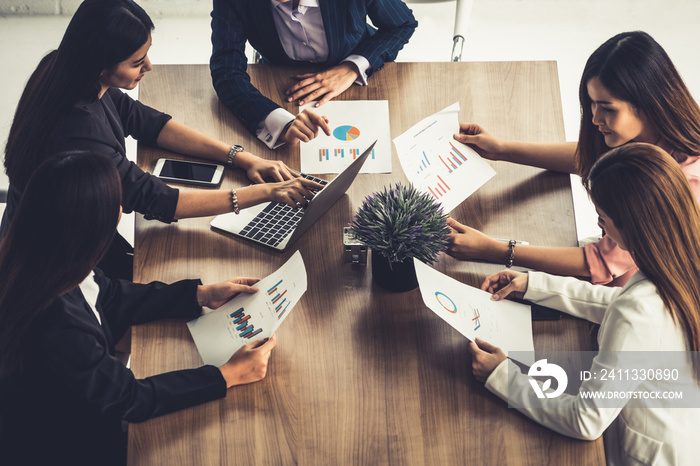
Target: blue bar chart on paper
(280, 303)
(250, 316)
(437, 164)
(243, 324)
(354, 125)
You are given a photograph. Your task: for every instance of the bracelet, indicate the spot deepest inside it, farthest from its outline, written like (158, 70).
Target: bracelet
(511, 253)
(234, 201)
(235, 149)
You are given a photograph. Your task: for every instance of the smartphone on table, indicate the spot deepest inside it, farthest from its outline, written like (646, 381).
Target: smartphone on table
(184, 171)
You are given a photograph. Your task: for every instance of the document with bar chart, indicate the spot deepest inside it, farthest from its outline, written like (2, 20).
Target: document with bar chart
(437, 164)
(250, 317)
(472, 313)
(355, 124)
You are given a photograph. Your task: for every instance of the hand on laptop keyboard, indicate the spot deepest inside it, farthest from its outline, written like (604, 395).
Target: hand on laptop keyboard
(295, 193)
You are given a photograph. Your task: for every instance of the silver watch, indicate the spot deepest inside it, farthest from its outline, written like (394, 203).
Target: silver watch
(235, 149)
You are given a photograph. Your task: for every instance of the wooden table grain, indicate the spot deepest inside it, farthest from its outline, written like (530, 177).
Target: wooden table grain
(360, 375)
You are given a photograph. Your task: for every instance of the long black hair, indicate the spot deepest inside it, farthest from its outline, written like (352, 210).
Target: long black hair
(101, 34)
(634, 68)
(63, 226)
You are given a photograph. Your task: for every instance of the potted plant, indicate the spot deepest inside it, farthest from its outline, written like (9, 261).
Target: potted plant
(398, 224)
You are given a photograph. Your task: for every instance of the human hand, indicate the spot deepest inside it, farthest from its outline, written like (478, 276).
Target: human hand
(258, 168)
(465, 243)
(214, 296)
(305, 127)
(506, 283)
(328, 83)
(485, 358)
(249, 363)
(481, 141)
(295, 193)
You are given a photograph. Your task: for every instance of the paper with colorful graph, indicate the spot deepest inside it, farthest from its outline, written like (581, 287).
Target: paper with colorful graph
(439, 165)
(354, 124)
(472, 313)
(250, 317)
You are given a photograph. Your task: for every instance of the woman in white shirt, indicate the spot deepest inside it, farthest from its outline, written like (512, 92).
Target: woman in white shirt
(646, 206)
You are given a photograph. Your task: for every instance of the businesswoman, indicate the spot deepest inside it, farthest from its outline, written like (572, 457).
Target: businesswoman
(64, 394)
(633, 187)
(73, 101)
(630, 91)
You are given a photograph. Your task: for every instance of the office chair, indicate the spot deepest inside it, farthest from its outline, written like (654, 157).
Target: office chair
(463, 11)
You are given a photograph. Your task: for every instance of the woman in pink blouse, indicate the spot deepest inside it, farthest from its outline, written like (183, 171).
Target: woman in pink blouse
(629, 91)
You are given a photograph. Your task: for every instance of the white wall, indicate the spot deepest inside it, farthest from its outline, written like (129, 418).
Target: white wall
(155, 8)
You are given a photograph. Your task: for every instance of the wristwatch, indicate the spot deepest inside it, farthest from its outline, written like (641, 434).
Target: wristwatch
(235, 149)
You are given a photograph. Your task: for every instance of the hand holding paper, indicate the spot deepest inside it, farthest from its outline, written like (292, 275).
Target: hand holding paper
(250, 317)
(485, 358)
(249, 363)
(438, 164)
(506, 283)
(472, 312)
(216, 295)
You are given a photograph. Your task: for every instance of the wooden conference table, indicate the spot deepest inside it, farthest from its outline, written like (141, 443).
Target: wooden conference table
(360, 375)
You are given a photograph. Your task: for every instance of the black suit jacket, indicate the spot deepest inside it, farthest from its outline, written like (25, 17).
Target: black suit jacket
(66, 404)
(347, 32)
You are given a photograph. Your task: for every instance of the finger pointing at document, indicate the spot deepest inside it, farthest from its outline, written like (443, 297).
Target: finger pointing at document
(305, 127)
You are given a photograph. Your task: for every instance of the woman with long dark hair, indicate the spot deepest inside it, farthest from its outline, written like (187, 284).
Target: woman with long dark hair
(630, 91)
(63, 393)
(652, 323)
(73, 101)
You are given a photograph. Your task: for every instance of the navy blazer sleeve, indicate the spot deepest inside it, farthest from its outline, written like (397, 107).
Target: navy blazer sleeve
(80, 356)
(101, 127)
(236, 21)
(395, 26)
(228, 63)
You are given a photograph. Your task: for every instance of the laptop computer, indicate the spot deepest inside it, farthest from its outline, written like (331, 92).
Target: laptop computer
(278, 225)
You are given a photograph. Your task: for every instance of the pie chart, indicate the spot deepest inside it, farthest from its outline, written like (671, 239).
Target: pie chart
(346, 133)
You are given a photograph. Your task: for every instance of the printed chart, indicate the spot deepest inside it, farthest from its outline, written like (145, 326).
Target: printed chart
(250, 317)
(276, 294)
(354, 126)
(472, 313)
(242, 323)
(438, 164)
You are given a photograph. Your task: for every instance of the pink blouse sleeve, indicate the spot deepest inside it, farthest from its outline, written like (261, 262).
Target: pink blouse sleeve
(608, 264)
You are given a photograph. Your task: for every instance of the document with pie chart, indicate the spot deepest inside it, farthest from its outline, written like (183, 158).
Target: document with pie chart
(355, 124)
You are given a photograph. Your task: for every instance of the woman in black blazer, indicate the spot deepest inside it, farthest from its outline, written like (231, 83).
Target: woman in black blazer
(73, 101)
(63, 393)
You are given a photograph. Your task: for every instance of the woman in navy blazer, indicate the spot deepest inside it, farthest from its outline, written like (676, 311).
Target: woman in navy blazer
(345, 22)
(63, 394)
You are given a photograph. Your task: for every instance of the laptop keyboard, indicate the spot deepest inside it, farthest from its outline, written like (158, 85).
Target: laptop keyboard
(276, 220)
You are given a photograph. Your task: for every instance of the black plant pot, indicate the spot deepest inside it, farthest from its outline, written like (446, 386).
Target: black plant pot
(400, 276)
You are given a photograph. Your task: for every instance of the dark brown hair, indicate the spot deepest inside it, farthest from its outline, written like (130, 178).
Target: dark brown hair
(63, 226)
(634, 68)
(647, 196)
